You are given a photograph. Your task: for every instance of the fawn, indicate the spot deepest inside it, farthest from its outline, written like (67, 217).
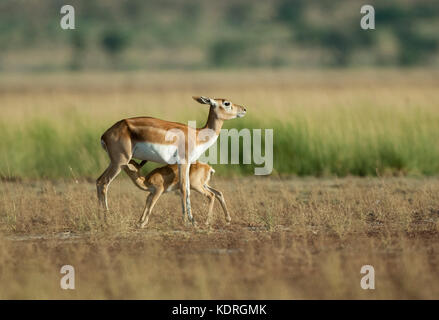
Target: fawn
(165, 179)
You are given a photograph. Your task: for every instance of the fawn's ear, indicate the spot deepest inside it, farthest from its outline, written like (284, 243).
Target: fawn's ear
(202, 100)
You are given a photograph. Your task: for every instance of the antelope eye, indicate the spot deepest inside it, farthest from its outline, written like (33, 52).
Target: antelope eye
(227, 104)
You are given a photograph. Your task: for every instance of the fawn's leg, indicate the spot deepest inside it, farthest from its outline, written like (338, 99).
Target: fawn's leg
(148, 208)
(220, 197)
(211, 196)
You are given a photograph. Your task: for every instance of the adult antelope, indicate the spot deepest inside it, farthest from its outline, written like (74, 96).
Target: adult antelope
(166, 142)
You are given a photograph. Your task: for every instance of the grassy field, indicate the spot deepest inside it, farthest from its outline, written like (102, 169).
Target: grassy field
(288, 239)
(303, 232)
(325, 123)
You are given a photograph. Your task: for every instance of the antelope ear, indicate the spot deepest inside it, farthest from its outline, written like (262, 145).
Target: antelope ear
(202, 100)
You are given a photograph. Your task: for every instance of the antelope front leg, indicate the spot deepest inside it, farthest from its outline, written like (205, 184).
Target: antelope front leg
(183, 172)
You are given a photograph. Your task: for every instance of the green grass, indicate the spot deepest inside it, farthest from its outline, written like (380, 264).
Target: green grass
(42, 149)
(339, 141)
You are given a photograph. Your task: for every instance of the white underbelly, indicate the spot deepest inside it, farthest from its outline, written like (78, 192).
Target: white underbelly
(167, 153)
(201, 149)
(160, 153)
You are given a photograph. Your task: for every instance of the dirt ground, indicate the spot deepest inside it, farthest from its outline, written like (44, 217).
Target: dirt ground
(290, 238)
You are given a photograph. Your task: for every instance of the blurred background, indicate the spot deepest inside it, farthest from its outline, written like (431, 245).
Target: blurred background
(341, 100)
(197, 34)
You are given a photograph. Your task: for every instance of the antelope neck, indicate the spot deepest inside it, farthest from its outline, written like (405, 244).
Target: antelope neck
(213, 122)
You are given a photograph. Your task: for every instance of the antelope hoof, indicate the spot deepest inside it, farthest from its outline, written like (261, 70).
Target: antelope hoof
(194, 223)
(142, 224)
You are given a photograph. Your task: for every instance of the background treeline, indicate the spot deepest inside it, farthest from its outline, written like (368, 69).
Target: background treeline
(199, 34)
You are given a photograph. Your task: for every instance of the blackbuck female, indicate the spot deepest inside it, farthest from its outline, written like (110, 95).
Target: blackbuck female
(165, 179)
(160, 141)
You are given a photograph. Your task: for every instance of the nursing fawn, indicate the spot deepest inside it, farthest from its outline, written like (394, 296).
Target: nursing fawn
(165, 179)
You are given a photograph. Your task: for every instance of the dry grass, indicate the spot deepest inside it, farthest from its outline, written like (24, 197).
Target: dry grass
(108, 97)
(289, 237)
(294, 238)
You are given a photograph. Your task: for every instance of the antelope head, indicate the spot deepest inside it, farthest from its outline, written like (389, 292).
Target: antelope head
(223, 108)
